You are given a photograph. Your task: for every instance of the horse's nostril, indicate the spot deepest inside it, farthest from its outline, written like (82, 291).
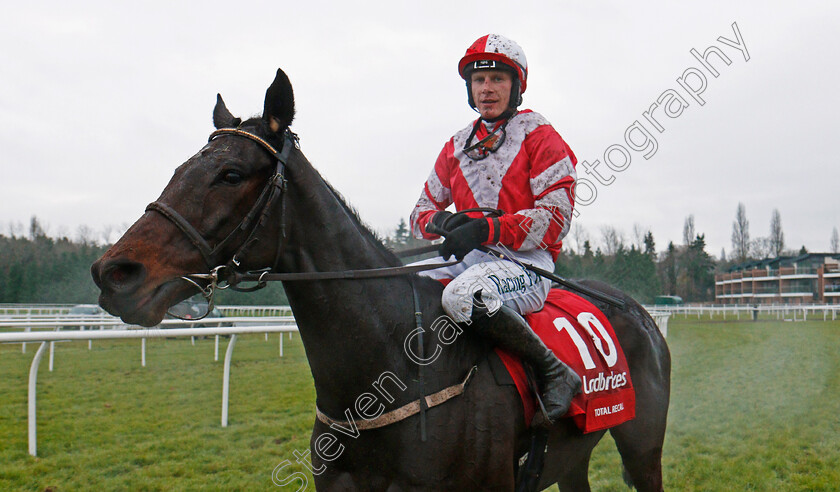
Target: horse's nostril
(123, 275)
(118, 276)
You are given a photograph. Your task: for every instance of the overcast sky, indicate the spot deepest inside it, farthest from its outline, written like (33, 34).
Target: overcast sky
(100, 101)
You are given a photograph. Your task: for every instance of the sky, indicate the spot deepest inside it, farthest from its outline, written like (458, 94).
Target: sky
(101, 101)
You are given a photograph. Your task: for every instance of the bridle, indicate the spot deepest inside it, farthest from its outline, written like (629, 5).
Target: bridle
(252, 222)
(224, 275)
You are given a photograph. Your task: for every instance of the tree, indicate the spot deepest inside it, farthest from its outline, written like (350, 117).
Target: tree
(403, 239)
(107, 231)
(777, 237)
(15, 229)
(587, 249)
(699, 268)
(613, 240)
(639, 236)
(835, 241)
(741, 235)
(579, 236)
(650, 245)
(688, 230)
(668, 270)
(401, 235)
(761, 247)
(86, 235)
(630, 270)
(36, 231)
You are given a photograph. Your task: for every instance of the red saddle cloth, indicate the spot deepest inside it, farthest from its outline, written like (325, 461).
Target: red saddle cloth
(582, 337)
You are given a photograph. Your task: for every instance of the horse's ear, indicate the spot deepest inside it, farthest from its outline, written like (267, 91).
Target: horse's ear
(279, 109)
(222, 117)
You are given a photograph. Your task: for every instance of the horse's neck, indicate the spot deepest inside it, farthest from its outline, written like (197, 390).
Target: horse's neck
(353, 330)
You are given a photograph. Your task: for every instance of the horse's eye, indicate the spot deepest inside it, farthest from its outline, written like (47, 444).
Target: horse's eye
(232, 178)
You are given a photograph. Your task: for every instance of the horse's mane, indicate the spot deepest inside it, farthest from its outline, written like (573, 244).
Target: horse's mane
(363, 228)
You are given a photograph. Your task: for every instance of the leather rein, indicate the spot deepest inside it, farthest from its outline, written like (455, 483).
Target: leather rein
(228, 275)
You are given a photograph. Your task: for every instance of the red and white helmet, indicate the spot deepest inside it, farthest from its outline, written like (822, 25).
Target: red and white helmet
(494, 47)
(488, 52)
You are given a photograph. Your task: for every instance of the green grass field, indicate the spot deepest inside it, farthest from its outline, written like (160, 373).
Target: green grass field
(754, 406)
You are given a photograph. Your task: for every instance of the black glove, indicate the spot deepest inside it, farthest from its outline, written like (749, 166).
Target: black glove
(465, 238)
(447, 221)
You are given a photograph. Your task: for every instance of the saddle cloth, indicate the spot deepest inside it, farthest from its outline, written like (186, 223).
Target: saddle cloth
(582, 337)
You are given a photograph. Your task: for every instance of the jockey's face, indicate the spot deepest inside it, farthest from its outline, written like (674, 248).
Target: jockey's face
(491, 91)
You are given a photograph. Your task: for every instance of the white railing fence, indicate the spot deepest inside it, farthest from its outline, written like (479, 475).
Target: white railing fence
(285, 324)
(787, 312)
(256, 310)
(661, 320)
(101, 322)
(33, 309)
(52, 310)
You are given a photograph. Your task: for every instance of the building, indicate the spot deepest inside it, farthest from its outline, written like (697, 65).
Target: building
(811, 278)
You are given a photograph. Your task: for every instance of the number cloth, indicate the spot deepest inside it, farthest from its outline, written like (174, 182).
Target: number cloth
(582, 337)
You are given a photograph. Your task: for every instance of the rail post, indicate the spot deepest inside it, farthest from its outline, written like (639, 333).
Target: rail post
(33, 380)
(226, 380)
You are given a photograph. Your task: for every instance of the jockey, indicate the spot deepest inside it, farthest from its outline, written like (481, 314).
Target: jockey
(514, 161)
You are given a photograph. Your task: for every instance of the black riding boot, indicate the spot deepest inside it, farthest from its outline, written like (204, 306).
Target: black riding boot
(507, 329)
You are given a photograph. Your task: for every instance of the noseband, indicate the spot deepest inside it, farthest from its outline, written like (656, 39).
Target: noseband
(272, 191)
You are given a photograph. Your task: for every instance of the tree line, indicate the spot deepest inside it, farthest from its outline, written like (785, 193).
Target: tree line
(41, 269)
(36, 268)
(685, 269)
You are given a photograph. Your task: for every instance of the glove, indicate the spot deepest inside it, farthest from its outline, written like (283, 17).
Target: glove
(465, 238)
(447, 221)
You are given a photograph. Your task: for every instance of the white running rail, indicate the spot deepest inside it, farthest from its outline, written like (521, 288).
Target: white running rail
(280, 325)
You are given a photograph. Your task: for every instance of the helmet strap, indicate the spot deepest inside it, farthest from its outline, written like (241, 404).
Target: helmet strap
(515, 94)
(505, 115)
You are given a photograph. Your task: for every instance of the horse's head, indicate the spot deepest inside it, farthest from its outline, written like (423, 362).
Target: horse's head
(203, 217)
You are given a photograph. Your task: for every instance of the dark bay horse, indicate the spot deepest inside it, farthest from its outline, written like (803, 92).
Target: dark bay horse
(218, 210)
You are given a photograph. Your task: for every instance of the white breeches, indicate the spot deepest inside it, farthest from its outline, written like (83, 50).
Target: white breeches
(500, 282)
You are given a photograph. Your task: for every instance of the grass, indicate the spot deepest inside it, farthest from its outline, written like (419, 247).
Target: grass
(754, 406)
(106, 423)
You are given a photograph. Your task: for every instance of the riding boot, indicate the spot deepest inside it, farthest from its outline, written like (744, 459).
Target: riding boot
(508, 330)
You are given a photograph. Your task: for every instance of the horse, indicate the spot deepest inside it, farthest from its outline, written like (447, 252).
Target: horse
(250, 200)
